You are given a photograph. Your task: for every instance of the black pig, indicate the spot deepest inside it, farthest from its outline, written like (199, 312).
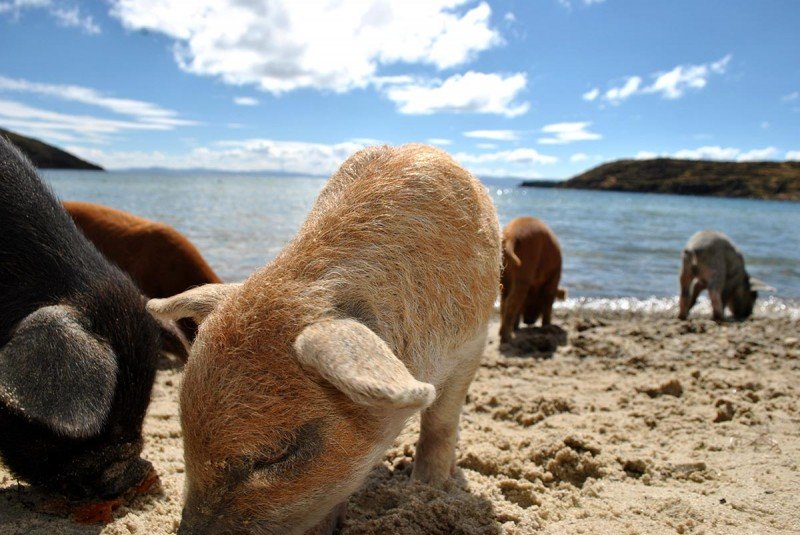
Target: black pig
(78, 350)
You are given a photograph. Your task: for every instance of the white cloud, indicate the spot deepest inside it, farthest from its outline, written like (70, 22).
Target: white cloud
(70, 17)
(233, 155)
(563, 133)
(568, 3)
(674, 84)
(714, 152)
(245, 101)
(142, 111)
(793, 155)
(756, 155)
(137, 114)
(590, 95)
(282, 45)
(63, 126)
(708, 152)
(520, 162)
(791, 96)
(486, 146)
(439, 141)
(66, 16)
(516, 156)
(579, 157)
(296, 157)
(497, 135)
(471, 92)
(618, 94)
(671, 84)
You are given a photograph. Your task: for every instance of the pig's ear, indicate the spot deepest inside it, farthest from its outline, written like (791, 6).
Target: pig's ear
(760, 286)
(361, 365)
(54, 372)
(196, 303)
(508, 249)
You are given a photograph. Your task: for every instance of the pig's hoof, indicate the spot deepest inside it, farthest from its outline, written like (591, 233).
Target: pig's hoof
(430, 475)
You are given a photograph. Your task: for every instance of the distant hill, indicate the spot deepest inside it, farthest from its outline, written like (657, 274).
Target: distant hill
(47, 156)
(757, 180)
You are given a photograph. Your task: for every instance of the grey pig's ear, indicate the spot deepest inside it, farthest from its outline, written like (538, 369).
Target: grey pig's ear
(361, 365)
(196, 303)
(54, 372)
(760, 286)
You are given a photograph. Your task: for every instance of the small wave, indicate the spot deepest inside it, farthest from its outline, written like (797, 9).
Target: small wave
(769, 306)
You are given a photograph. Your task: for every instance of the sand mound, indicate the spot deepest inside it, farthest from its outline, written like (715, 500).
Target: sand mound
(618, 423)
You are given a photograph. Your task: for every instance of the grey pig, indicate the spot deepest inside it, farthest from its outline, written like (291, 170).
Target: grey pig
(711, 261)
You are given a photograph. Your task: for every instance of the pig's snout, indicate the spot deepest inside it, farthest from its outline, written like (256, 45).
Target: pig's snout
(332, 523)
(123, 476)
(196, 522)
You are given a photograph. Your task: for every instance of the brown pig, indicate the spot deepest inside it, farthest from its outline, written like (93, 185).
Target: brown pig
(301, 377)
(160, 260)
(532, 271)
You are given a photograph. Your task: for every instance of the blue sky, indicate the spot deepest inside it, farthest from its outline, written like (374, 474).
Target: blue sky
(537, 88)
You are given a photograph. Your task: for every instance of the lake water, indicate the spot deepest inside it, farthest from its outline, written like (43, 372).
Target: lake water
(616, 246)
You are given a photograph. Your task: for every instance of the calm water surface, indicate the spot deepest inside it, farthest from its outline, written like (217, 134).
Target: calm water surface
(614, 244)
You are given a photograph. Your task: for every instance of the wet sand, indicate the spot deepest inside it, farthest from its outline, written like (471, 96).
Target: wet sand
(619, 423)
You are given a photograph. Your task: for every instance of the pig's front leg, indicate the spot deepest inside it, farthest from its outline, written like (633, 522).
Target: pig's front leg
(436, 450)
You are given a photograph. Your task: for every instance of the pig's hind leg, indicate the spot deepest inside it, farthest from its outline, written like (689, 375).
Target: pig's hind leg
(512, 308)
(686, 277)
(435, 459)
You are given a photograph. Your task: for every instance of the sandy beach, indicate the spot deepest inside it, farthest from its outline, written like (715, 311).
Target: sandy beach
(620, 423)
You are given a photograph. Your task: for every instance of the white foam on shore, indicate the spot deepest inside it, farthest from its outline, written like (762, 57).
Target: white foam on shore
(768, 306)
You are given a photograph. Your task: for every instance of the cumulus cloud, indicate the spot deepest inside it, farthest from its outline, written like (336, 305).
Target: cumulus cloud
(579, 157)
(756, 155)
(563, 133)
(65, 15)
(497, 135)
(137, 114)
(282, 45)
(708, 152)
(296, 157)
(714, 152)
(793, 155)
(520, 162)
(471, 92)
(671, 84)
(233, 155)
(517, 156)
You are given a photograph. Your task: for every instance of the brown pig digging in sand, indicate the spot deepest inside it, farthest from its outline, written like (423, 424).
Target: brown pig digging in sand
(301, 377)
(532, 271)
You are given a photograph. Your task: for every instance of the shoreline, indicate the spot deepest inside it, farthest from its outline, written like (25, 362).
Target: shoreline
(637, 423)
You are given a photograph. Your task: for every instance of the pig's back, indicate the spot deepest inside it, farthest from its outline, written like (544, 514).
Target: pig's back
(43, 256)
(410, 244)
